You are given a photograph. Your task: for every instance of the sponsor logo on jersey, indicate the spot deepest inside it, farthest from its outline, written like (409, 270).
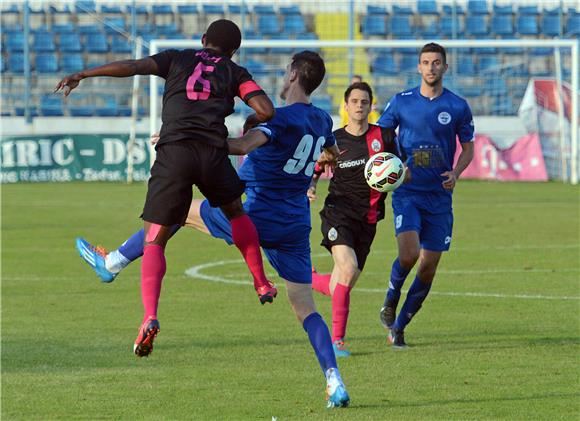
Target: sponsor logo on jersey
(349, 164)
(407, 93)
(376, 145)
(332, 234)
(444, 117)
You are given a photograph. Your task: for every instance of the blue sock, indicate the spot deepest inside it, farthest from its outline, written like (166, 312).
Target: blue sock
(320, 339)
(415, 297)
(398, 276)
(132, 249)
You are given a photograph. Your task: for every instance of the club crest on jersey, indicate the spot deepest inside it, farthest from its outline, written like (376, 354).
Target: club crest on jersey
(444, 117)
(376, 145)
(332, 234)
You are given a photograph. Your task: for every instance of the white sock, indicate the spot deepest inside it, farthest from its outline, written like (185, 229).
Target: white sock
(115, 261)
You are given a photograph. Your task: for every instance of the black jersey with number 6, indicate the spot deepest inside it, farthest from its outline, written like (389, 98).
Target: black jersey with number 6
(348, 193)
(200, 87)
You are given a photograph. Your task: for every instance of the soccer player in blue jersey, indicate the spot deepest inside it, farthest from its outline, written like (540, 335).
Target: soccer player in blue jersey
(277, 174)
(430, 119)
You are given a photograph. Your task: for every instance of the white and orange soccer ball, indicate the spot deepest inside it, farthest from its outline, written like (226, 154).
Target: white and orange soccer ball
(384, 172)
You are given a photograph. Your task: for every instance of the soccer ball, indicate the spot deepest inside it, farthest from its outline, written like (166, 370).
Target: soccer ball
(384, 172)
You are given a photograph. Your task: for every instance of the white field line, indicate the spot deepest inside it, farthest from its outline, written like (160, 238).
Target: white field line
(196, 272)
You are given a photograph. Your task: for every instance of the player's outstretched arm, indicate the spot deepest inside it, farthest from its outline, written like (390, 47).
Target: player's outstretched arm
(123, 68)
(247, 143)
(328, 157)
(264, 111)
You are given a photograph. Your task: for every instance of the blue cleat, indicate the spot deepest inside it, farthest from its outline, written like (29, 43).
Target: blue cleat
(95, 257)
(336, 393)
(340, 348)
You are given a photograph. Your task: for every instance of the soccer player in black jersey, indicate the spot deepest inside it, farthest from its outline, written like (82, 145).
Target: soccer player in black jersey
(200, 86)
(352, 209)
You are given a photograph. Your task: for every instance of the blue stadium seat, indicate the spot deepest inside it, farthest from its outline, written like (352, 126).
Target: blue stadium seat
(120, 45)
(401, 26)
(376, 10)
(60, 10)
(285, 50)
(477, 7)
(527, 25)
(448, 9)
(63, 28)
(374, 25)
(290, 10)
(430, 30)
(162, 9)
(527, 10)
(213, 9)
(14, 41)
(402, 10)
(236, 9)
(51, 106)
(20, 111)
(294, 24)
(110, 107)
(573, 25)
(254, 50)
(96, 43)
(541, 51)
(169, 30)
(476, 25)
(187, 9)
(551, 25)
(16, 63)
(446, 24)
(70, 43)
(264, 9)
(502, 25)
(89, 29)
(384, 65)
(324, 102)
(489, 63)
(466, 65)
(70, 63)
(408, 63)
(140, 9)
(427, 7)
(256, 68)
(147, 28)
(268, 24)
(114, 25)
(46, 63)
(85, 6)
(502, 9)
(43, 43)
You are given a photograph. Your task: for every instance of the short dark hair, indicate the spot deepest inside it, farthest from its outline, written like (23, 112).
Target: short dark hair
(310, 68)
(224, 34)
(433, 47)
(362, 86)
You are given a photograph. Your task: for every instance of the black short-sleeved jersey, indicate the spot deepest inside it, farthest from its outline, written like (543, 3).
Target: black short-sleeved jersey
(200, 87)
(348, 192)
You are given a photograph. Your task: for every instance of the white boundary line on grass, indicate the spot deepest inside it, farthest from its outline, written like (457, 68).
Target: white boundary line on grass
(196, 272)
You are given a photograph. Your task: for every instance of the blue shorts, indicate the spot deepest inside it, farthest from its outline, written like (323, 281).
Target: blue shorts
(434, 229)
(286, 243)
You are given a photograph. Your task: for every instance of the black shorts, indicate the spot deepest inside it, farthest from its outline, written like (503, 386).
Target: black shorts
(180, 165)
(340, 229)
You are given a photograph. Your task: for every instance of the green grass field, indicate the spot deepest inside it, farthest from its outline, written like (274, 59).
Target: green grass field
(498, 338)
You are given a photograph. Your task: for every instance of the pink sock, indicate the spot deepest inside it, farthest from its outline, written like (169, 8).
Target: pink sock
(152, 272)
(246, 240)
(321, 282)
(340, 307)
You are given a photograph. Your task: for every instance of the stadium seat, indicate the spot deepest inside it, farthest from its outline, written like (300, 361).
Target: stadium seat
(374, 25)
(111, 10)
(162, 9)
(43, 43)
(573, 25)
(430, 30)
(448, 9)
(213, 9)
(477, 7)
(96, 43)
(268, 24)
(376, 10)
(466, 65)
(147, 28)
(170, 30)
(502, 9)
(14, 41)
(63, 28)
(114, 26)
(109, 107)
(408, 63)
(140, 9)
(284, 50)
(89, 29)
(476, 25)
(264, 9)
(294, 24)
(527, 25)
(187, 9)
(502, 25)
(51, 106)
(324, 102)
(16, 63)
(527, 10)
(20, 111)
(290, 10)
(401, 26)
(402, 10)
(384, 65)
(446, 24)
(70, 63)
(120, 45)
(489, 63)
(427, 7)
(256, 68)
(70, 43)
(551, 25)
(85, 6)
(46, 63)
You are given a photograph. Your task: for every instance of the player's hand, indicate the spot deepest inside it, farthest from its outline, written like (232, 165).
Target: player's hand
(451, 179)
(250, 123)
(327, 159)
(408, 175)
(68, 83)
(311, 193)
(154, 139)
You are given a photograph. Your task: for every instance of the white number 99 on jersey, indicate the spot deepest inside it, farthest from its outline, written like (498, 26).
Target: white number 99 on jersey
(384, 172)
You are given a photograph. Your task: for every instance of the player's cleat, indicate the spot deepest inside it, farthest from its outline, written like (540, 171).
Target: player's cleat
(396, 338)
(388, 313)
(340, 348)
(144, 343)
(336, 394)
(267, 293)
(95, 257)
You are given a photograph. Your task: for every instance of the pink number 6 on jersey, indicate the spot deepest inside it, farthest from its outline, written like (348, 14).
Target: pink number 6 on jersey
(197, 76)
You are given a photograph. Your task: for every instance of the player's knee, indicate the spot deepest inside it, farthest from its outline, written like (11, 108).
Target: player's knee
(426, 273)
(408, 258)
(350, 273)
(233, 210)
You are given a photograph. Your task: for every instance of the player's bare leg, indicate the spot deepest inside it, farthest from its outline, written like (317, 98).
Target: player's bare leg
(302, 302)
(152, 272)
(245, 237)
(345, 273)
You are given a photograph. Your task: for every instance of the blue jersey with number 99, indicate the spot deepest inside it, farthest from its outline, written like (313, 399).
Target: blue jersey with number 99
(280, 171)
